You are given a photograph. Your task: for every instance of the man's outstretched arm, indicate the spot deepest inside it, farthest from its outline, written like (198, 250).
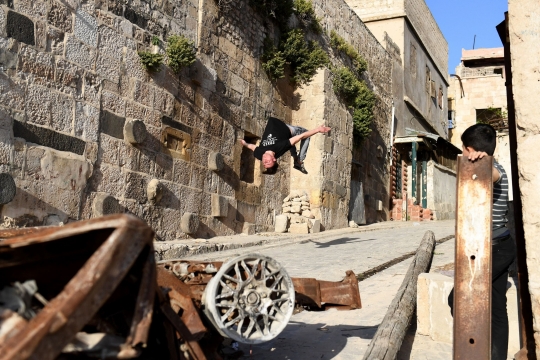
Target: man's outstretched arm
(248, 145)
(319, 129)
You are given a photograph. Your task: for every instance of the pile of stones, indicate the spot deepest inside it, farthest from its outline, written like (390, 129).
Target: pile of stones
(297, 203)
(297, 216)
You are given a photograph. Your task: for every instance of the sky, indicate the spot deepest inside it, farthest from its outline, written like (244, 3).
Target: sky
(460, 20)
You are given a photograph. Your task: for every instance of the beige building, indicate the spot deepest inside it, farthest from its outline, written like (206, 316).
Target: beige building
(423, 168)
(477, 93)
(409, 31)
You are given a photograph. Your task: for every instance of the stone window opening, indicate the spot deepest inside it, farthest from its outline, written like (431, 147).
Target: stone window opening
(412, 61)
(428, 80)
(250, 168)
(441, 96)
(496, 117)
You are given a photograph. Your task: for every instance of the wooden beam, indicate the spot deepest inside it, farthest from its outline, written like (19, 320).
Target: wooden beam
(390, 334)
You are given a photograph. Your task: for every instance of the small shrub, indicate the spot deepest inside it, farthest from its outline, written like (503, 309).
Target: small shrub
(303, 57)
(151, 62)
(180, 52)
(306, 14)
(339, 43)
(156, 41)
(273, 61)
(356, 95)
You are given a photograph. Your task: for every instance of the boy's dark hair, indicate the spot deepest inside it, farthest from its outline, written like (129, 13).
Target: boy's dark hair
(481, 137)
(272, 170)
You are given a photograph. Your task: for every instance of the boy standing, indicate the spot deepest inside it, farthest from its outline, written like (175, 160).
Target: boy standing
(478, 141)
(279, 137)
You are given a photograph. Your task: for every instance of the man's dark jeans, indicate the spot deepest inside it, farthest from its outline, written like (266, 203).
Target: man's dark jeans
(503, 255)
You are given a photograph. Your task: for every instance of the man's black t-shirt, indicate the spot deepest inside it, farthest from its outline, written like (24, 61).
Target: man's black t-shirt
(275, 138)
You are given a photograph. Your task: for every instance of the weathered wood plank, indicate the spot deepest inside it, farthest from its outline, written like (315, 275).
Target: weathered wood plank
(389, 336)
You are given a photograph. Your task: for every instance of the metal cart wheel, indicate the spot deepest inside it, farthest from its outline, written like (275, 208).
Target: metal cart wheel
(250, 299)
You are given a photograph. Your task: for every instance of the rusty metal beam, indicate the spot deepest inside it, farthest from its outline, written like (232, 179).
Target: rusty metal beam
(472, 283)
(342, 295)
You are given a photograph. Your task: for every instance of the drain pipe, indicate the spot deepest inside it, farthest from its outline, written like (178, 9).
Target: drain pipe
(392, 131)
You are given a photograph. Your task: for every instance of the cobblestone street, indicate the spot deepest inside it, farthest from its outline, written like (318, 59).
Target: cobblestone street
(346, 334)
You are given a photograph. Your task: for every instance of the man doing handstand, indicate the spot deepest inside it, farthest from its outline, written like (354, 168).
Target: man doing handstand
(279, 137)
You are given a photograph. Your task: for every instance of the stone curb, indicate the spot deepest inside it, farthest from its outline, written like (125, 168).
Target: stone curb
(169, 250)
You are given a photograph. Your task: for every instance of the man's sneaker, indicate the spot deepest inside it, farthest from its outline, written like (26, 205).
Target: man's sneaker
(300, 167)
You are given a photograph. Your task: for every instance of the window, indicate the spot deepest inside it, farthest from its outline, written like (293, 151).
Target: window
(428, 80)
(249, 169)
(441, 96)
(412, 61)
(486, 116)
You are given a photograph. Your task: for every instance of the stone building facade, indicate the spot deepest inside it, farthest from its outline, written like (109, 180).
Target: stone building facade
(408, 29)
(522, 36)
(419, 189)
(85, 130)
(477, 92)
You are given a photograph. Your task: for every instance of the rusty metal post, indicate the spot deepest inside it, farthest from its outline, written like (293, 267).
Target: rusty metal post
(472, 283)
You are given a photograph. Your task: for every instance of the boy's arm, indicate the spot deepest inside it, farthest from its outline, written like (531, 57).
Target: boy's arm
(475, 155)
(305, 135)
(248, 145)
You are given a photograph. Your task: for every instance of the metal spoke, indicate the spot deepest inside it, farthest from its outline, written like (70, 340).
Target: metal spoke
(263, 270)
(225, 306)
(237, 272)
(232, 321)
(225, 285)
(250, 327)
(258, 327)
(228, 277)
(250, 275)
(278, 280)
(240, 324)
(266, 324)
(221, 296)
(226, 315)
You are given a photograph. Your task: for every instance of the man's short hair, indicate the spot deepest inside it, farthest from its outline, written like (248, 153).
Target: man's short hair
(271, 171)
(481, 137)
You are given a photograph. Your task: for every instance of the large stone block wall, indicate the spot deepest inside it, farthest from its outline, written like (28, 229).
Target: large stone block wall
(71, 79)
(373, 154)
(524, 34)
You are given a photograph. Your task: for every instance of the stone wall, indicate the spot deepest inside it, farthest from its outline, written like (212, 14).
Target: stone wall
(72, 80)
(524, 25)
(373, 155)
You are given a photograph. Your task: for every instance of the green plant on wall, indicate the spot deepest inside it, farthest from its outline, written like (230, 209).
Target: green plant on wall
(152, 62)
(338, 43)
(273, 61)
(357, 96)
(156, 41)
(303, 9)
(303, 57)
(180, 52)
